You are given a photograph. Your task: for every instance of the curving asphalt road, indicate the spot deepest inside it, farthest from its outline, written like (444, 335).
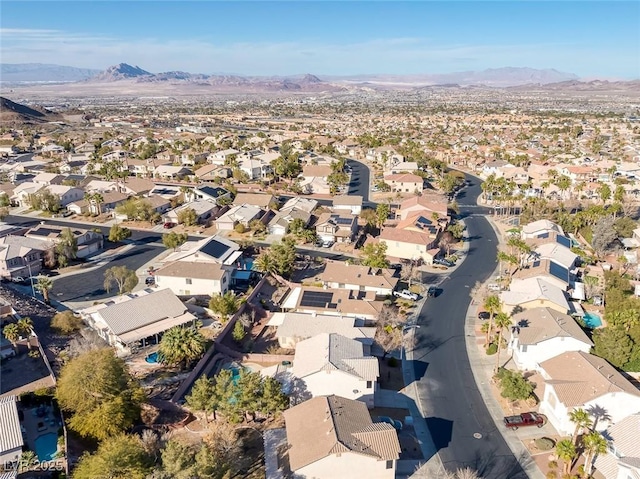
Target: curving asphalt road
(452, 405)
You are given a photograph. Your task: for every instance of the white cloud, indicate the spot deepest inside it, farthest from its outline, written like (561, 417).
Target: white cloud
(395, 55)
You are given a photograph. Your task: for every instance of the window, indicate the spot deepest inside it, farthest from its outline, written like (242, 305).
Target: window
(188, 280)
(389, 464)
(224, 279)
(523, 348)
(369, 384)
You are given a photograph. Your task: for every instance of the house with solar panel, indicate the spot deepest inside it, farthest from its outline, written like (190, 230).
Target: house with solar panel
(202, 268)
(136, 320)
(337, 227)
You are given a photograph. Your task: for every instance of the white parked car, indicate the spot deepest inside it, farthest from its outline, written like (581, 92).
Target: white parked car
(406, 294)
(494, 287)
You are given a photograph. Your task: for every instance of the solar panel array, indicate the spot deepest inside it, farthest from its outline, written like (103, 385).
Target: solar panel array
(318, 299)
(215, 248)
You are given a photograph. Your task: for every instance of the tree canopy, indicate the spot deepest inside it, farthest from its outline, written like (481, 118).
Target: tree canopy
(103, 397)
(375, 255)
(118, 457)
(278, 258)
(118, 233)
(182, 346)
(124, 278)
(174, 240)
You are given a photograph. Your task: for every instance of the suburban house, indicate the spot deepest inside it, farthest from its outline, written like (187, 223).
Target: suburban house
(340, 275)
(260, 200)
(329, 363)
(241, 214)
(405, 183)
(291, 328)
(540, 229)
(622, 459)
(110, 200)
(189, 278)
(89, 242)
(210, 193)
(21, 256)
(215, 249)
(136, 186)
(331, 437)
(48, 179)
(546, 269)
(341, 302)
(204, 210)
(170, 172)
(403, 167)
(257, 167)
(314, 179)
(576, 379)
(306, 204)
(223, 156)
(212, 172)
(352, 203)
(337, 227)
(280, 222)
(425, 205)
(408, 244)
(532, 293)
(539, 334)
(136, 320)
(558, 253)
(11, 440)
(495, 167)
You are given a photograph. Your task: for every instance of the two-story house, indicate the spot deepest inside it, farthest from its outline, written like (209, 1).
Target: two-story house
(337, 227)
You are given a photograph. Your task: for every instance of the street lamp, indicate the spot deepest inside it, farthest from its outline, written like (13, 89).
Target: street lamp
(33, 290)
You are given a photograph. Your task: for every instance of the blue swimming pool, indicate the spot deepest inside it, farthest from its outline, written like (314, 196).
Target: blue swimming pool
(46, 446)
(592, 320)
(153, 358)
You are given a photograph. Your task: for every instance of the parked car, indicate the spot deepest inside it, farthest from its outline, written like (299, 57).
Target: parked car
(525, 419)
(19, 280)
(406, 294)
(432, 292)
(327, 244)
(494, 287)
(168, 225)
(443, 262)
(150, 280)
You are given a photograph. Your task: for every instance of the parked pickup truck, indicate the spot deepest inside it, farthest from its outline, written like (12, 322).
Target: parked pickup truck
(525, 419)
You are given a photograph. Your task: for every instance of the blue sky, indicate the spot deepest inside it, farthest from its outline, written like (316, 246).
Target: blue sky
(589, 38)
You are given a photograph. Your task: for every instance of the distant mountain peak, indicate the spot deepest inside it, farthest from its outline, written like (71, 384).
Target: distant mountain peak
(309, 78)
(121, 71)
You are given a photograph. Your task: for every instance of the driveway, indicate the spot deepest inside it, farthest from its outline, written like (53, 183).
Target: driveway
(89, 286)
(463, 431)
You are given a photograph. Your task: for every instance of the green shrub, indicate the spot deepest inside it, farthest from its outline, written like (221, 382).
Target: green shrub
(552, 475)
(492, 349)
(392, 362)
(545, 444)
(239, 228)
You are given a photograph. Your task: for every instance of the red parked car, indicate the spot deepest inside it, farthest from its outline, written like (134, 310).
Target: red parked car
(169, 225)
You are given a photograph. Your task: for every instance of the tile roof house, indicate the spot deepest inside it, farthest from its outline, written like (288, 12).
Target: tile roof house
(425, 203)
(260, 200)
(214, 249)
(351, 203)
(340, 275)
(539, 334)
(539, 228)
(337, 227)
(576, 379)
(241, 214)
(133, 320)
(408, 244)
(21, 256)
(210, 193)
(279, 223)
(295, 327)
(340, 302)
(545, 269)
(189, 278)
(203, 209)
(306, 204)
(622, 459)
(405, 182)
(331, 437)
(11, 440)
(534, 293)
(89, 241)
(329, 363)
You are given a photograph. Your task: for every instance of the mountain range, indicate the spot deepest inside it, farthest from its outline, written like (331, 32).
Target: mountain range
(508, 77)
(12, 112)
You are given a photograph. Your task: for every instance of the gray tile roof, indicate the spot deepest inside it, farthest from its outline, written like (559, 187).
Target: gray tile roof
(540, 324)
(142, 311)
(10, 434)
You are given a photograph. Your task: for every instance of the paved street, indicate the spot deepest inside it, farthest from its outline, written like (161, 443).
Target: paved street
(359, 184)
(461, 427)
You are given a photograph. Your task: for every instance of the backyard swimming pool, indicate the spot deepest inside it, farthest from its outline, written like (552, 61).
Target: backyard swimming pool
(46, 446)
(592, 320)
(153, 358)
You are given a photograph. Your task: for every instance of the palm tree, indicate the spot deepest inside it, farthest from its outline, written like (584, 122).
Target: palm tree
(181, 345)
(492, 305)
(25, 326)
(593, 444)
(502, 321)
(566, 451)
(581, 419)
(44, 285)
(12, 333)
